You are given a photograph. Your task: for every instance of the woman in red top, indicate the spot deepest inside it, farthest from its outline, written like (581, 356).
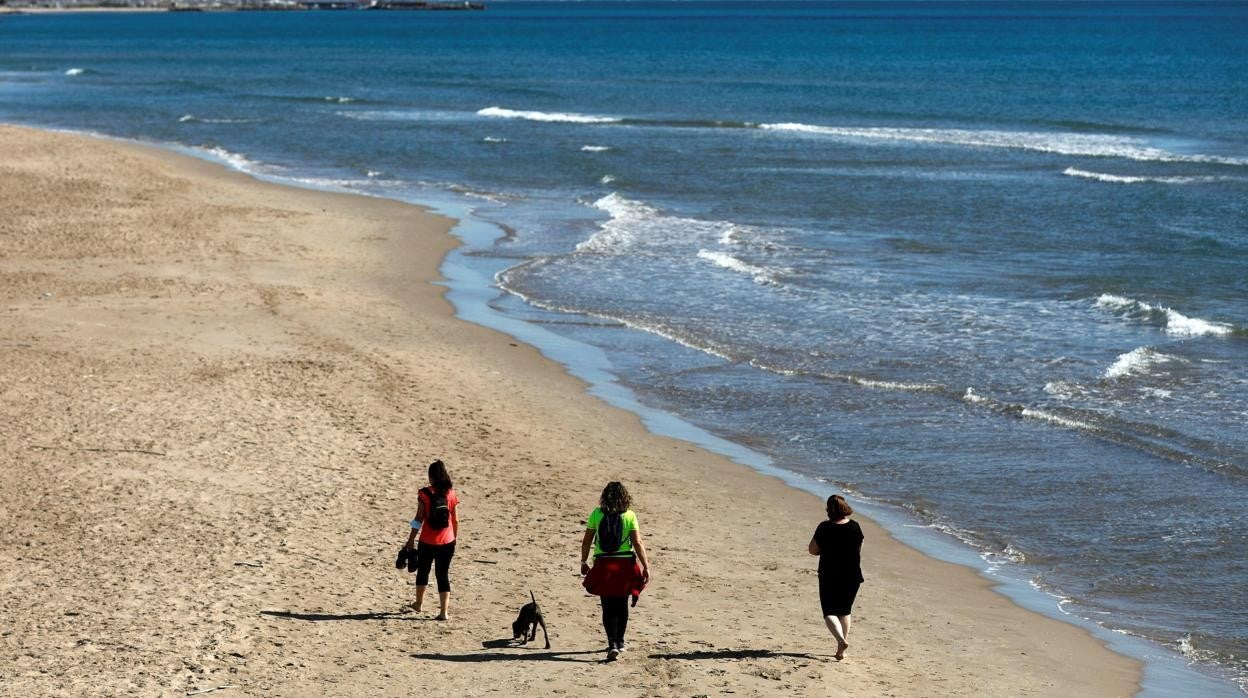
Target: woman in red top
(437, 524)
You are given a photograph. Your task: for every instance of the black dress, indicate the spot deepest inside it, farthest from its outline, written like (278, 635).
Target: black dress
(840, 569)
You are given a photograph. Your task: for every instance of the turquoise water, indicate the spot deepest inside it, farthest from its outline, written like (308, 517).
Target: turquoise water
(978, 263)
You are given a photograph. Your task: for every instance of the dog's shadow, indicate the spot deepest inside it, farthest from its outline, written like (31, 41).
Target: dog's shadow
(533, 653)
(502, 642)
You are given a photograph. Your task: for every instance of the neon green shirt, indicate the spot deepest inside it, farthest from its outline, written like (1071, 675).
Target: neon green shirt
(629, 522)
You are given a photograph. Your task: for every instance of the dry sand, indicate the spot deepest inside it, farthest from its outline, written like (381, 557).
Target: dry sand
(219, 396)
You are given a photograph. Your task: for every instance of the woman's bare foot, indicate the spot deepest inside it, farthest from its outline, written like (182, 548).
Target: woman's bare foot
(442, 616)
(415, 606)
(840, 650)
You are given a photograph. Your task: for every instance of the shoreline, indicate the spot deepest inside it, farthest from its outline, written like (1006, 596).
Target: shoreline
(526, 380)
(77, 10)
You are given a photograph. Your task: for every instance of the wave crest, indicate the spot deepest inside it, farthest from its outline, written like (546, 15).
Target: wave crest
(1173, 322)
(761, 275)
(192, 119)
(1134, 179)
(1137, 362)
(565, 117)
(1079, 144)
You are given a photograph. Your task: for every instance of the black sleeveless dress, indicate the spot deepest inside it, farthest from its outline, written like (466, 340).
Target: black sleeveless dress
(840, 567)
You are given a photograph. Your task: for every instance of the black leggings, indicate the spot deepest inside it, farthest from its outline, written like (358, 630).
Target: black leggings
(429, 555)
(615, 618)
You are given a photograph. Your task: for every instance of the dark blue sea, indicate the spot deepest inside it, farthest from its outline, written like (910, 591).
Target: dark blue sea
(983, 264)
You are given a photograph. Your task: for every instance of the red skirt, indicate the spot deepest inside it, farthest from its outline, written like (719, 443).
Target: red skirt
(615, 576)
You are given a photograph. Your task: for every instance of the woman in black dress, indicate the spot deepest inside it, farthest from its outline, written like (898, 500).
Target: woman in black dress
(838, 543)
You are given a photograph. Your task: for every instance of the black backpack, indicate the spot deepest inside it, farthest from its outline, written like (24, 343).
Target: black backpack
(610, 532)
(439, 514)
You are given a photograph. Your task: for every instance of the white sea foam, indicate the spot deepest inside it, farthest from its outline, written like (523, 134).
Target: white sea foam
(340, 100)
(629, 221)
(235, 160)
(1080, 144)
(1041, 415)
(637, 228)
(332, 183)
(974, 398)
(75, 71)
(1134, 179)
(1183, 326)
(620, 207)
(1176, 324)
(607, 179)
(896, 385)
(503, 279)
(1063, 390)
(1137, 362)
(493, 139)
(761, 275)
(373, 174)
(191, 118)
(595, 148)
(500, 112)
(402, 115)
(1114, 302)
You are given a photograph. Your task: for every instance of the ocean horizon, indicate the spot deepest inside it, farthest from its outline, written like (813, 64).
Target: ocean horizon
(977, 264)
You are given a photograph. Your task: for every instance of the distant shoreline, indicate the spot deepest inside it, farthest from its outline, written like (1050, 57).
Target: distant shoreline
(257, 6)
(66, 10)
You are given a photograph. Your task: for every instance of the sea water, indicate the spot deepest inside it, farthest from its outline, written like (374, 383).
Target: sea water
(982, 264)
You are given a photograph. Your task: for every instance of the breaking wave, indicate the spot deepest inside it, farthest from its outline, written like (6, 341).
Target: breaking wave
(595, 148)
(500, 112)
(1080, 144)
(761, 275)
(401, 115)
(1173, 322)
(192, 119)
(1137, 362)
(1133, 179)
(235, 160)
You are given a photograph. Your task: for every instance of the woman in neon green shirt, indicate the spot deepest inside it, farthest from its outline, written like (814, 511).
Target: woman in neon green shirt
(612, 532)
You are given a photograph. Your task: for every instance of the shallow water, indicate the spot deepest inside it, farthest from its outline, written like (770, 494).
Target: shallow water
(980, 262)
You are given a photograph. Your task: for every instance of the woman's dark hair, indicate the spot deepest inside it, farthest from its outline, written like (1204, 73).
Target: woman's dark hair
(615, 499)
(838, 508)
(439, 477)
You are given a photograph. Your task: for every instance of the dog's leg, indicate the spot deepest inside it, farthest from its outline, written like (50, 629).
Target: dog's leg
(542, 621)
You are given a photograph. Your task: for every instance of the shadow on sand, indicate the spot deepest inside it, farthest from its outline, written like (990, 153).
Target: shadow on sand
(734, 654)
(371, 615)
(524, 655)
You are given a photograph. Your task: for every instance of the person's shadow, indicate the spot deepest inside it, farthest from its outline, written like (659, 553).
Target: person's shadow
(370, 615)
(525, 655)
(732, 654)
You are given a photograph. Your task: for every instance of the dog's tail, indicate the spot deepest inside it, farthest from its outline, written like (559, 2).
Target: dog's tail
(531, 596)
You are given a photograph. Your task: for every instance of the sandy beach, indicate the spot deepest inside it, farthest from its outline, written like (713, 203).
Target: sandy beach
(219, 398)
